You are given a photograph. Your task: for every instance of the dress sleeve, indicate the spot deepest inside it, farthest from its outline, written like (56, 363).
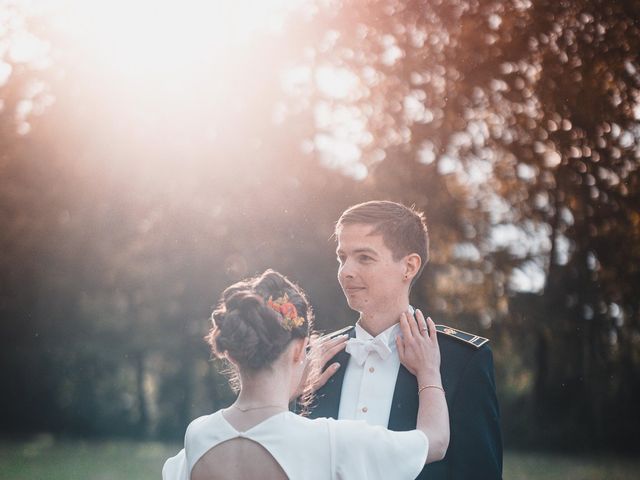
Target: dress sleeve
(365, 451)
(175, 468)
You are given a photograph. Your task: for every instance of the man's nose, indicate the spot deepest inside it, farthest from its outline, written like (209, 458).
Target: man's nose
(346, 270)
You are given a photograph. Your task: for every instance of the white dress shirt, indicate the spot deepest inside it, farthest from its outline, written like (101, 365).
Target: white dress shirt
(367, 389)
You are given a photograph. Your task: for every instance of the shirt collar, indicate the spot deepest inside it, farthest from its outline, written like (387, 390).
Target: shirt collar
(387, 337)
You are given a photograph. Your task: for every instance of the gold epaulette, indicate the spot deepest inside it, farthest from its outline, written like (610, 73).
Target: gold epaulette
(465, 337)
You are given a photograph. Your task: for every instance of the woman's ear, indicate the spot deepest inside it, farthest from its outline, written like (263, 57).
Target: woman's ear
(412, 263)
(299, 349)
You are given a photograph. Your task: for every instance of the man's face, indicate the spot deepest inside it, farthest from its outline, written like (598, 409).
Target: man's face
(372, 281)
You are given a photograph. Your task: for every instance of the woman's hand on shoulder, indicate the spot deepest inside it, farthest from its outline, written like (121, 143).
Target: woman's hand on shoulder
(418, 347)
(321, 349)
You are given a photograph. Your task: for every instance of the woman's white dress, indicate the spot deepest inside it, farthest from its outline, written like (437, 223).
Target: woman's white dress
(320, 449)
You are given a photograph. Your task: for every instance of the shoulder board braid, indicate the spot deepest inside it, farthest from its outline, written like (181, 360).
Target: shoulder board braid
(468, 338)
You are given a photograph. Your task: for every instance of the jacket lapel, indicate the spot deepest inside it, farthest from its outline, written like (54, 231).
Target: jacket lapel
(404, 406)
(327, 402)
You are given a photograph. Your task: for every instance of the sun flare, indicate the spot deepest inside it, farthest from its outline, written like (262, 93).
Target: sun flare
(162, 37)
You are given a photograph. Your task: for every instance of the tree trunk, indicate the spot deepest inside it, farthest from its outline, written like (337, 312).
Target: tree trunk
(143, 411)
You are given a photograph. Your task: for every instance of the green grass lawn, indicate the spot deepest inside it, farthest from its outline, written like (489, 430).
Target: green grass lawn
(45, 459)
(536, 466)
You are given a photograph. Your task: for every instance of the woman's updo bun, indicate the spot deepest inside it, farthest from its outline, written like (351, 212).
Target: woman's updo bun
(248, 330)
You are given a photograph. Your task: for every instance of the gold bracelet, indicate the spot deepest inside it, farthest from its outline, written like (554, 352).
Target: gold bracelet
(420, 389)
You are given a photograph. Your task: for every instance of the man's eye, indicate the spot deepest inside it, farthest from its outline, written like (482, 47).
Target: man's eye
(365, 258)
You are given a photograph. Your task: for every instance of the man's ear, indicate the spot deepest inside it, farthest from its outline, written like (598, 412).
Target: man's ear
(412, 263)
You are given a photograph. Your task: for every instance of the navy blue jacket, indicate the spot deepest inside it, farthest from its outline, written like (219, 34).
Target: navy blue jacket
(475, 448)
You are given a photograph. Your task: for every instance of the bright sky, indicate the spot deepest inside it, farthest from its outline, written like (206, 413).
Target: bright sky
(158, 46)
(145, 34)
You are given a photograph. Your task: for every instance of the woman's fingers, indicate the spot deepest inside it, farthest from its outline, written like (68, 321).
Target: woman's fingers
(332, 347)
(326, 375)
(418, 346)
(433, 334)
(327, 341)
(400, 345)
(332, 342)
(415, 331)
(405, 327)
(322, 345)
(422, 323)
(406, 354)
(323, 349)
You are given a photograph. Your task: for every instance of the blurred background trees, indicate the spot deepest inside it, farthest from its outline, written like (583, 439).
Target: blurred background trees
(133, 193)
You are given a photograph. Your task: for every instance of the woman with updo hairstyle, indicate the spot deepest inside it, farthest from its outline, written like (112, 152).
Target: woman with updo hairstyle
(262, 327)
(249, 333)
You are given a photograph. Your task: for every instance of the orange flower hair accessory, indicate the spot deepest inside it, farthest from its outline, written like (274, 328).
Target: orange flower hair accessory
(284, 307)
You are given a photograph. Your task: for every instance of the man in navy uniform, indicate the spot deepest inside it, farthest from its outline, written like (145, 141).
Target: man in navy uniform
(382, 250)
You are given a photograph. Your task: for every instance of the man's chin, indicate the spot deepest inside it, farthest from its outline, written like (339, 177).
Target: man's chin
(355, 305)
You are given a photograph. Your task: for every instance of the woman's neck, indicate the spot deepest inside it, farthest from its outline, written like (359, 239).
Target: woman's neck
(266, 388)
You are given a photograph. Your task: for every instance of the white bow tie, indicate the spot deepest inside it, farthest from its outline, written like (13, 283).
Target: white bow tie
(359, 349)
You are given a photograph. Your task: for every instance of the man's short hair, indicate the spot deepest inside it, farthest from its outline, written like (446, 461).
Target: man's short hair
(403, 229)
